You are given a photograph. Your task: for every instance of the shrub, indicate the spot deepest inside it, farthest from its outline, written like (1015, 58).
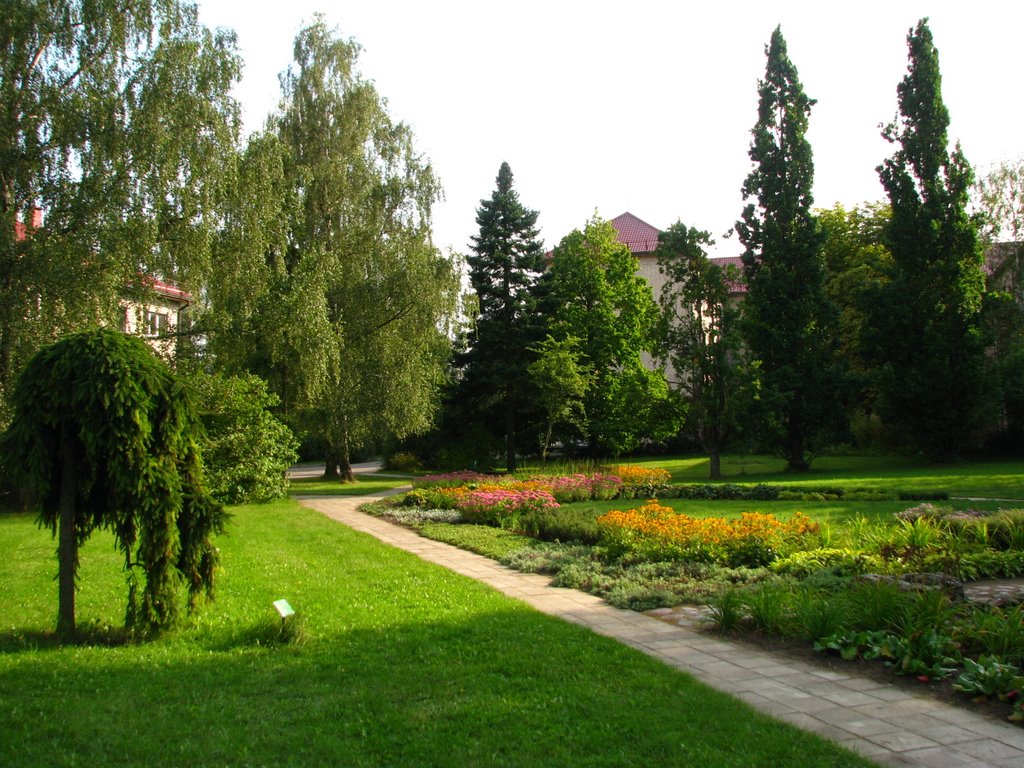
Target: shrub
(246, 449)
(844, 562)
(995, 631)
(402, 462)
(563, 524)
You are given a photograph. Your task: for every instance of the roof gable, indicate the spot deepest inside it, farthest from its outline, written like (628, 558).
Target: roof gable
(635, 234)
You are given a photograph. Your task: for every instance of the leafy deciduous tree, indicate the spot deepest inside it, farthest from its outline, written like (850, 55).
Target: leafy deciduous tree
(116, 120)
(348, 318)
(700, 334)
(924, 333)
(105, 437)
(786, 314)
(562, 378)
(596, 296)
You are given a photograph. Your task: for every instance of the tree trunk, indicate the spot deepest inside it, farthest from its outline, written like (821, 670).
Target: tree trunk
(67, 543)
(510, 437)
(345, 473)
(716, 464)
(332, 462)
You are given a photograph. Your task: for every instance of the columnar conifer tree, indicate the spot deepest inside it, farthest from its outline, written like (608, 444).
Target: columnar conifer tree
(786, 313)
(924, 332)
(505, 269)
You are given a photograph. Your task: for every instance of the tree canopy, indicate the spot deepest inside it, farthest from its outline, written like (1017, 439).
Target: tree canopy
(786, 314)
(700, 335)
(924, 332)
(104, 436)
(347, 298)
(597, 297)
(117, 123)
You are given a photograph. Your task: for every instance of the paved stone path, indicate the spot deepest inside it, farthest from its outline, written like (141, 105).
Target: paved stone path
(889, 725)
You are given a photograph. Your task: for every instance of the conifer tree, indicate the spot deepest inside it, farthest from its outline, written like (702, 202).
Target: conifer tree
(924, 332)
(505, 269)
(786, 313)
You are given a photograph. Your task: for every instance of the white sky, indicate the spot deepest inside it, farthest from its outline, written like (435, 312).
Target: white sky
(642, 106)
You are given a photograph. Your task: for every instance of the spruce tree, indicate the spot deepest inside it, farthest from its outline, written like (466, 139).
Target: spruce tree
(505, 269)
(787, 314)
(924, 332)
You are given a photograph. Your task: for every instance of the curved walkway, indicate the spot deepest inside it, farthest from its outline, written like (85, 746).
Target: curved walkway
(879, 721)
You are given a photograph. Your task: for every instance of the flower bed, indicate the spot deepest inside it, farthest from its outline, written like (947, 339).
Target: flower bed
(654, 532)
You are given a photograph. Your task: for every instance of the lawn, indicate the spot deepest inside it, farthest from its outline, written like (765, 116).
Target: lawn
(399, 663)
(984, 479)
(365, 485)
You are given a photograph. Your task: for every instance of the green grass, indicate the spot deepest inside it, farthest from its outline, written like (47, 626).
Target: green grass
(402, 663)
(365, 485)
(988, 479)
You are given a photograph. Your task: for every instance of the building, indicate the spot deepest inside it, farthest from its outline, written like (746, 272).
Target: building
(155, 319)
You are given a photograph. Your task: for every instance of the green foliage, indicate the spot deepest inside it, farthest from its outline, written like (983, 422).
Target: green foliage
(998, 632)
(347, 318)
(504, 270)
(847, 562)
(403, 461)
(988, 677)
(119, 125)
(562, 378)
(246, 449)
(924, 333)
(105, 437)
(787, 317)
(595, 295)
(567, 524)
(699, 335)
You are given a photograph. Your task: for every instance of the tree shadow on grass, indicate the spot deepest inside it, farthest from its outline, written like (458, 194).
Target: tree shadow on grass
(494, 688)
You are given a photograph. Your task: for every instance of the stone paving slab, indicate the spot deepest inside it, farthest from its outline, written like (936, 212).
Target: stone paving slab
(881, 722)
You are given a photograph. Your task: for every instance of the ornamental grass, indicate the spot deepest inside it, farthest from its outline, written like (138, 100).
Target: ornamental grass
(655, 532)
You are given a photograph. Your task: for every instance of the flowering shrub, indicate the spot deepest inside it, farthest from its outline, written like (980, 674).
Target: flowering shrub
(462, 477)
(655, 532)
(632, 474)
(502, 506)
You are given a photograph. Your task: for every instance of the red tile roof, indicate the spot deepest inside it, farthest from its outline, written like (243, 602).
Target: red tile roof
(635, 234)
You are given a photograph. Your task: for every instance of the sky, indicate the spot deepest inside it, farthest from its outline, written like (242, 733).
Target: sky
(646, 107)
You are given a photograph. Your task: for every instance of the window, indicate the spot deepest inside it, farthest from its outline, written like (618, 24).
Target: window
(156, 323)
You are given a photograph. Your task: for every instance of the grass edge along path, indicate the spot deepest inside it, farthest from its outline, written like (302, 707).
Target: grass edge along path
(877, 720)
(403, 663)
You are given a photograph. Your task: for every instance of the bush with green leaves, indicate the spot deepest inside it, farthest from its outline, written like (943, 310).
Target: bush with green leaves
(845, 562)
(105, 436)
(246, 449)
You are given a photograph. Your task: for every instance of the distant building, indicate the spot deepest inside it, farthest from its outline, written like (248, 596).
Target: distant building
(156, 319)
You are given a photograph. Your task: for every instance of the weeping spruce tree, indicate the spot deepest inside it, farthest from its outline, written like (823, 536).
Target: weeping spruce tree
(924, 329)
(104, 436)
(787, 316)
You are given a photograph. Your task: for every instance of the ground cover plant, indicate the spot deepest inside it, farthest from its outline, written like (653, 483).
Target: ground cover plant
(786, 561)
(392, 661)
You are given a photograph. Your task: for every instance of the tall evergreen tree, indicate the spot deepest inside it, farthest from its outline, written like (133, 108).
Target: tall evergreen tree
(505, 269)
(786, 313)
(924, 332)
